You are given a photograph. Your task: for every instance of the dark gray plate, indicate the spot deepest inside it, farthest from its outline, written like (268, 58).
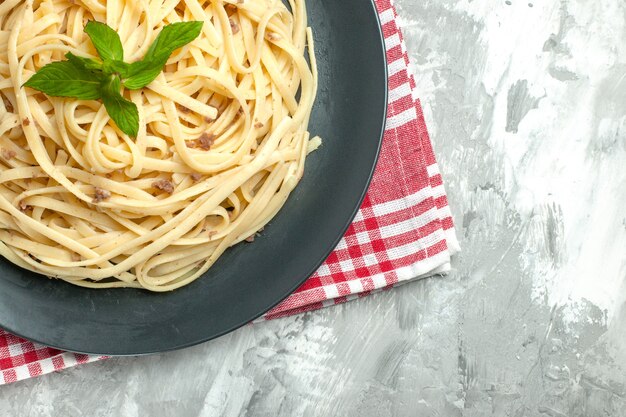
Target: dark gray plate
(248, 279)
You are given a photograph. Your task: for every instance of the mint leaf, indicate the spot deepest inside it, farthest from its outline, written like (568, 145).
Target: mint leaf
(106, 41)
(86, 63)
(170, 38)
(173, 37)
(142, 73)
(116, 67)
(87, 79)
(66, 79)
(123, 112)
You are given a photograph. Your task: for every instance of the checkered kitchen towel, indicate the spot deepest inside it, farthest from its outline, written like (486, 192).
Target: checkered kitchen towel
(403, 230)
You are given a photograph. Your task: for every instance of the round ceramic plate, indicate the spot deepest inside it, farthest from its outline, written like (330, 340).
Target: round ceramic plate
(248, 279)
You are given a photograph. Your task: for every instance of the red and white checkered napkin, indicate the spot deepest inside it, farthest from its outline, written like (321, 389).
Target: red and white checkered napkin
(403, 230)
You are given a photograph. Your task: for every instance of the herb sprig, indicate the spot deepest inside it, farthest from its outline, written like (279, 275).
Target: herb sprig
(91, 79)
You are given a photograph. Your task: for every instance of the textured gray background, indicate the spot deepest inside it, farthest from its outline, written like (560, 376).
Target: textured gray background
(526, 106)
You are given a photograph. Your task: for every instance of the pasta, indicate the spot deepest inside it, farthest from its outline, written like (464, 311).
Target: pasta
(222, 140)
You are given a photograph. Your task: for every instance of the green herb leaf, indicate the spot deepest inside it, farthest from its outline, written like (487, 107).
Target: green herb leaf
(170, 38)
(106, 41)
(66, 79)
(123, 112)
(116, 67)
(88, 79)
(173, 37)
(142, 73)
(86, 63)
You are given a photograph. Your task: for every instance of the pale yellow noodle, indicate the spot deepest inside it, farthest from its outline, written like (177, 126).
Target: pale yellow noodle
(222, 141)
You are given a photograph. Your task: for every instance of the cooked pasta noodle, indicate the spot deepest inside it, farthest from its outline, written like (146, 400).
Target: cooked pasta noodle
(222, 140)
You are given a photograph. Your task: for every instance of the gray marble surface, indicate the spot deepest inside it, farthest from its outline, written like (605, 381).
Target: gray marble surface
(526, 103)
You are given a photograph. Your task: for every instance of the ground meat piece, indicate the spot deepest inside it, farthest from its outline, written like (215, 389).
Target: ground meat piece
(205, 141)
(7, 104)
(7, 153)
(234, 26)
(23, 206)
(250, 239)
(258, 125)
(26, 121)
(101, 194)
(272, 36)
(196, 177)
(164, 185)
